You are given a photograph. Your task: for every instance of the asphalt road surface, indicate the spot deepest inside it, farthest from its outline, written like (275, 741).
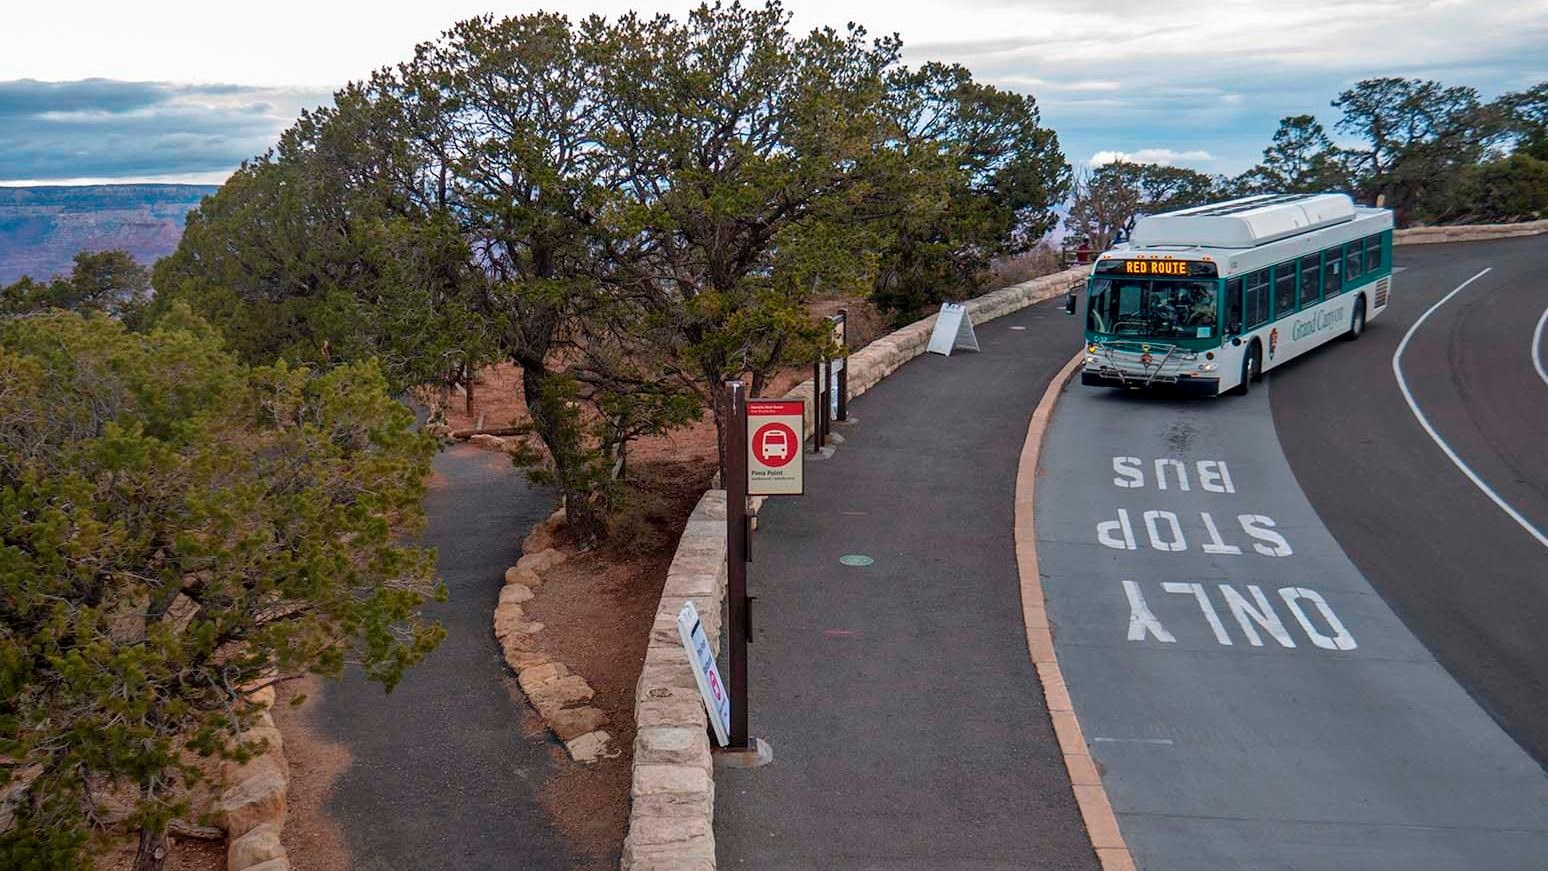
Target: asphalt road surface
(908, 727)
(1467, 578)
(1264, 675)
(446, 770)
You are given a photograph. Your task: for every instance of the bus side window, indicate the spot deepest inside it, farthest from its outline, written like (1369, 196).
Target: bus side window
(1372, 253)
(1332, 272)
(1284, 289)
(1354, 261)
(1311, 272)
(1257, 298)
(1233, 306)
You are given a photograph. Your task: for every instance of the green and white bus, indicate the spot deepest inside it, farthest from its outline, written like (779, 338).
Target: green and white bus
(1205, 300)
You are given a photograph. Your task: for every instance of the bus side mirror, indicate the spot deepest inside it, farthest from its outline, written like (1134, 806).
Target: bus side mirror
(1069, 303)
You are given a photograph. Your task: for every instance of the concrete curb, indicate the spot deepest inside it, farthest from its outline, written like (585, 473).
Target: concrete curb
(672, 798)
(1101, 823)
(1467, 233)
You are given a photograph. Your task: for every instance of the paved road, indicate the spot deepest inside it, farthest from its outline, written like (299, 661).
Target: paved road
(446, 771)
(908, 726)
(1469, 581)
(1253, 701)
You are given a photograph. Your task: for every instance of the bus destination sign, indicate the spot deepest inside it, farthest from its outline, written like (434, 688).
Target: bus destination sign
(1173, 268)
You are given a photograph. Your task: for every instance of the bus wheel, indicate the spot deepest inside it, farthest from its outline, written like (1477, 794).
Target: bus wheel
(1252, 368)
(1356, 321)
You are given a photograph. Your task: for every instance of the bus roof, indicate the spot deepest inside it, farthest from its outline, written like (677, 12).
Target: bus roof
(1244, 223)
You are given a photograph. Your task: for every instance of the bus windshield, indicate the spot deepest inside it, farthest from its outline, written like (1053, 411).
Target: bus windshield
(1152, 308)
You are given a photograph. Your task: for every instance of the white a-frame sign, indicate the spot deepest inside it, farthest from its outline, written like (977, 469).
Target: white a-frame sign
(953, 330)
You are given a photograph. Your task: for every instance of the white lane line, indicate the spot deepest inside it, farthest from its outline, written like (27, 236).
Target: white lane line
(1397, 369)
(1537, 347)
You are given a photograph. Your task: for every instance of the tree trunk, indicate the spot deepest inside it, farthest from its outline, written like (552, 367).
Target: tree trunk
(152, 853)
(720, 411)
(467, 380)
(579, 514)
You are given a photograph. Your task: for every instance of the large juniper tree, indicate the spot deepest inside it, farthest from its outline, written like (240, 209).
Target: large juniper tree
(177, 531)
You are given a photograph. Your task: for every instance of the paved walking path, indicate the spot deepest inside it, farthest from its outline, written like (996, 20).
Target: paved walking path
(908, 725)
(446, 770)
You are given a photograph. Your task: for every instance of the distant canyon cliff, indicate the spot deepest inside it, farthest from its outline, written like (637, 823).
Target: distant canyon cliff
(41, 228)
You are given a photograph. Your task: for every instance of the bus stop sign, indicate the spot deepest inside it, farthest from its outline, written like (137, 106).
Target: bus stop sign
(775, 439)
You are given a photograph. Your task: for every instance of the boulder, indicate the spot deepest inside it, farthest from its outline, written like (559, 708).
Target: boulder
(534, 677)
(510, 619)
(258, 846)
(590, 747)
(571, 723)
(515, 594)
(519, 659)
(262, 696)
(258, 799)
(559, 694)
(525, 577)
(542, 561)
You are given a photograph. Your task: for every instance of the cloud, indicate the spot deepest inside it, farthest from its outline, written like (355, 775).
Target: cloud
(1125, 75)
(1216, 76)
(107, 129)
(1164, 156)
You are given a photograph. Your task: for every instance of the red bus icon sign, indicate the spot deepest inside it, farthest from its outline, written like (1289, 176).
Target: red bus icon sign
(775, 444)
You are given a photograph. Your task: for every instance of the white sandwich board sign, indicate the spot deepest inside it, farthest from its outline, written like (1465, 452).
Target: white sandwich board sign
(953, 330)
(775, 438)
(717, 702)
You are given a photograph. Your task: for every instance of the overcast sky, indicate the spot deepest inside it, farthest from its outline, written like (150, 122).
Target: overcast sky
(185, 89)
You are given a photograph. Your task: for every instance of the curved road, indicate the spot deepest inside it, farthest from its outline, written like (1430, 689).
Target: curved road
(1273, 677)
(1466, 577)
(446, 770)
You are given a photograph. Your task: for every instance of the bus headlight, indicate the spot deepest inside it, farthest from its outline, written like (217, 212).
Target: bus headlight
(1207, 367)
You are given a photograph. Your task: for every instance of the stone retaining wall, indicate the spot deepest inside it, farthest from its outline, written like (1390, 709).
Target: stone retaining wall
(1467, 233)
(672, 797)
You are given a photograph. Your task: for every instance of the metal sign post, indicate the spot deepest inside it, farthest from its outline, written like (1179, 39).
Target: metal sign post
(824, 400)
(736, 561)
(816, 407)
(741, 749)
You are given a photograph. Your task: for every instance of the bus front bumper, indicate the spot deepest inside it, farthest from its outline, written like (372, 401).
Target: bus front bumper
(1190, 385)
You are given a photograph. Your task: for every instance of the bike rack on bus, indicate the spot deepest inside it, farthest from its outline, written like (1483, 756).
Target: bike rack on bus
(1141, 350)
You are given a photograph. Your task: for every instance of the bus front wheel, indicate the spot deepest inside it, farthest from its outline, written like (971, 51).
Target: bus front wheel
(1356, 320)
(1252, 368)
